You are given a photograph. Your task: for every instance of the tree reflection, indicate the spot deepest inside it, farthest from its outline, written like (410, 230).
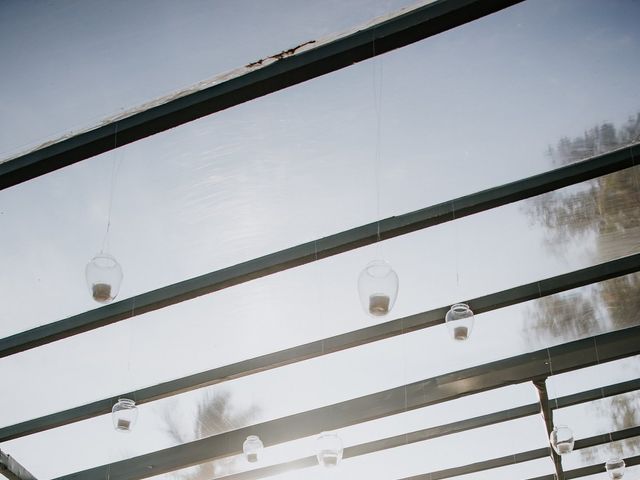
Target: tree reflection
(215, 414)
(601, 218)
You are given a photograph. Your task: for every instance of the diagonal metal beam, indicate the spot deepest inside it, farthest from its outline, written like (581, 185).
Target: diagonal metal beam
(319, 249)
(589, 470)
(484, 465)
(547, 416)
(451, 428)
(598, 468)
(530, 366)
(607, 438)
(393, 442)
(596, 393)
(519, 458)
(261, 78)
(329, 345)
(12, 470)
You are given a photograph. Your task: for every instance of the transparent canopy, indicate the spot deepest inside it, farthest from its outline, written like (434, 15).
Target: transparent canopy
(521, 92)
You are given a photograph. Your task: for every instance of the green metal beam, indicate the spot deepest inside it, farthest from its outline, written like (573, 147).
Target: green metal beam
(319, 249)
(530, 366)
(261, 78)
(12, 470)
(456, 427)
(329, 345)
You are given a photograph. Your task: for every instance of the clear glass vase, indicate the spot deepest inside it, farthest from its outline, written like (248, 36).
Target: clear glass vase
(329, 449)
(104, 276)
(124, 415)
(615, 468)
(459, 320)
(561, 439)
(378, 288)
(252, 448)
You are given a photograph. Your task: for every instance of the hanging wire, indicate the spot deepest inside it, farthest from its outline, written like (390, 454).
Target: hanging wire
(377, 105)
(114, 171)
(131, 379)
(549, 379)
(602, 397)
(456, 246)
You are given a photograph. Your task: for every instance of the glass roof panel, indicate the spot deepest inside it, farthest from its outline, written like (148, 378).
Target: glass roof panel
(219, 190)
(596, 376)
(437, 267)
(601, 416)
(630, 472)
(443, 413)
(599, 454)
(270, 174)
(471, 446)
(121, 54)
(521, 471)
(468, 447)
(378, 366)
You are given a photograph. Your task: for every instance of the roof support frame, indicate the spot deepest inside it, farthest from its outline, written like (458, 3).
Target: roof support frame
(547, 416)
(12, 470)
(321, 248)
(526, 457)
(448, 429)
(261, 78)
(530, 366)
(329, 345)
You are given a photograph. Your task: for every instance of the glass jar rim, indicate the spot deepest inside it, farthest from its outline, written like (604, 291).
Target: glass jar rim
(460, 307)
(378, 268)
(104, 260)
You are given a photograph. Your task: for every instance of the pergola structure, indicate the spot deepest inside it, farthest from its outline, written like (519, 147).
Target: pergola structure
(537, 366)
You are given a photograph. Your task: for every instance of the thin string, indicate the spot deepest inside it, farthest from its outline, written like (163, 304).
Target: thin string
(114, 170)
(377, 103)
(550, 380)
(456, 246)
(318, 295)
(595, 346)
(129, 370)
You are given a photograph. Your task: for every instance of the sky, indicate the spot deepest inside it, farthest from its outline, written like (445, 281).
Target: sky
(466, 110)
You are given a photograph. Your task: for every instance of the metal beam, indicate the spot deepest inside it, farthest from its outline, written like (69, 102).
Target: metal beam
(599, 468)
(484, 465)
(514, 459)
(329, 345)
(547, 416)
(606, 438)
(393, 442)
(530, 366)
(12, 470)
(596, 393)
(319, 249)
(448, 429)
(261, 78)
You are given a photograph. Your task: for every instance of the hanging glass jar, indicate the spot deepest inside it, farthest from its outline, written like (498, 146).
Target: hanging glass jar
(561, 439)
(124, 415)
(104, 276)
(378, 288)
(459, 320)
(252, 448)
(329, 449)
(615, 468)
